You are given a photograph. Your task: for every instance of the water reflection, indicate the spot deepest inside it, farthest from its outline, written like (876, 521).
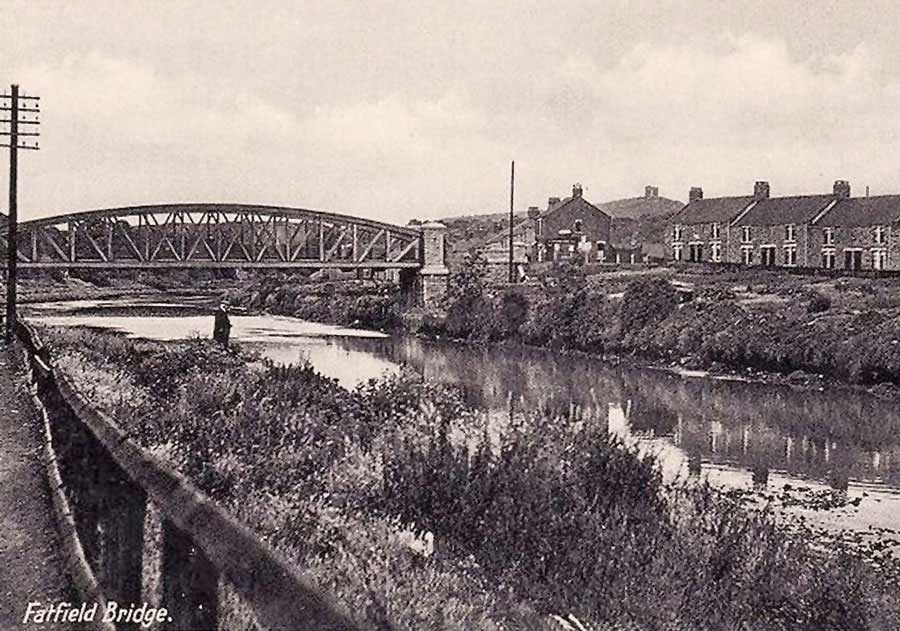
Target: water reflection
(736, 432)
(829, 436)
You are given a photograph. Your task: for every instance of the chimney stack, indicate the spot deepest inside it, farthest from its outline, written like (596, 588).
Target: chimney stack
(651, 191)
(761, 191)
(842, 189)
(551, 201)
(695, 194)
(534, 212)
(576, 190)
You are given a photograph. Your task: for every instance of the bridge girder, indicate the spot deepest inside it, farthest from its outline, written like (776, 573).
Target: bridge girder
(215, 236)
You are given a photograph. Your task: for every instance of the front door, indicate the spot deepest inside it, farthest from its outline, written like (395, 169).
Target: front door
(853, 260)
(768, 256)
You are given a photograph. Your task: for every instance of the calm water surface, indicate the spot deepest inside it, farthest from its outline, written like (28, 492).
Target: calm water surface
(804, 437)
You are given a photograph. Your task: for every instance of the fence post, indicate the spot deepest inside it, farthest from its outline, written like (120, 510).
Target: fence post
(190, 583)
(122, 542)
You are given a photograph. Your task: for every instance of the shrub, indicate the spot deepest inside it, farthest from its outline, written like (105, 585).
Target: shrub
(528, 515)
(513, 312)
(818, 303)
(647, 301)
(470, 314)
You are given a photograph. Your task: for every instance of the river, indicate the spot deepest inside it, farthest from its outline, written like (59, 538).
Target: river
(802, 437)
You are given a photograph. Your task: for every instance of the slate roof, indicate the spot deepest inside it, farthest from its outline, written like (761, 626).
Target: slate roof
(713, 210)
(863, 211)
(519, 228)
(568, 200)
(785, 210)
(635, 207)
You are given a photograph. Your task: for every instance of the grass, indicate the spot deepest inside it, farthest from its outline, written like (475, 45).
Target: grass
(529, 521)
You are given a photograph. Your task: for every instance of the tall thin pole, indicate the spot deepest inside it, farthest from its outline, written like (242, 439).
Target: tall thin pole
(29, 109)
(512, 191)
(12, 224)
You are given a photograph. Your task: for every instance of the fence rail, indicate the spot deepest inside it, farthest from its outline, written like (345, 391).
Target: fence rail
(109, 481)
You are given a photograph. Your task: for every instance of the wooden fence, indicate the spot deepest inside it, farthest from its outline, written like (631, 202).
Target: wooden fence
(102, 482)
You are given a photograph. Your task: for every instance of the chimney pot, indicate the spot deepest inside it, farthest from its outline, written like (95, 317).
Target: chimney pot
(695, 194)
(761, 191)
(842, 189)
(577, 190)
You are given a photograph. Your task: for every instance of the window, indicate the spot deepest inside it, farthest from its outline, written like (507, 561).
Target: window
(715, 231)
(716, 251)
(747, 256)
(829, 238)
(676, 252)
(880, 235)
(577, 225)
(676, 232)
(790, 256)
(789, 232)
(828, 259)
(879, 259)
(746, 237)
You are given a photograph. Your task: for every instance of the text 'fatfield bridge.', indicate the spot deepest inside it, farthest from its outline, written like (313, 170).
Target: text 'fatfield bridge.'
(230, 236)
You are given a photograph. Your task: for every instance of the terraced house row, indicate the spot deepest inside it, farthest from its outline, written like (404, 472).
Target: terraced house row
(833, 231)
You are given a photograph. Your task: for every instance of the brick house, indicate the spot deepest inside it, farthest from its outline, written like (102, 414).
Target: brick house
(569, 227)
(834, 231)
(775, 231)
(699, 231)
(857, 234)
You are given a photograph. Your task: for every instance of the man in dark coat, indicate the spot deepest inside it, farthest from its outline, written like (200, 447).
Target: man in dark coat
(222, 325)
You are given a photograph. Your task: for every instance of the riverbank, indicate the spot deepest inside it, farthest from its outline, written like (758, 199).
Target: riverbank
(761, 326)
(399, 477)
(41, 287)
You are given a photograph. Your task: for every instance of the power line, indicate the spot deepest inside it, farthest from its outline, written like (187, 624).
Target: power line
(20, 107)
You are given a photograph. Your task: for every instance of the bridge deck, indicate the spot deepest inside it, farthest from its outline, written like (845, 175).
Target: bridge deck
(214, 236)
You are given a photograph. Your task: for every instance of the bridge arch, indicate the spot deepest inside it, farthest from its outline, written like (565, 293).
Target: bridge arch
(250, 236)
(206, 235)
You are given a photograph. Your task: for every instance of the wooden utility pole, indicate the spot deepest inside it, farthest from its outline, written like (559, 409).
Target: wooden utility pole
(23, 110)
(512, 190)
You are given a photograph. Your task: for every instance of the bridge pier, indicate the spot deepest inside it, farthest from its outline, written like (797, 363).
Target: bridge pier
(431, 281)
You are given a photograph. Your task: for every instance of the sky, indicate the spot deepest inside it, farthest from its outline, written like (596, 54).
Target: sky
(401, 110)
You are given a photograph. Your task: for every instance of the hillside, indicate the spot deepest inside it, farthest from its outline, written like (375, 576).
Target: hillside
(641, 219)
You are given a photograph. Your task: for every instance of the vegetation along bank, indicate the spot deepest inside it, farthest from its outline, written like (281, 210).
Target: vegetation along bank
(416, 514)
(737, 321)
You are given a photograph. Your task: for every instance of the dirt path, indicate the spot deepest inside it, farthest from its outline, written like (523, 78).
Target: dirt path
(31, 566)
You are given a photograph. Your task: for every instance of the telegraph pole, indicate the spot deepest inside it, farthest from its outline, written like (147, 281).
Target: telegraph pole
(512, 189)
(22, 110)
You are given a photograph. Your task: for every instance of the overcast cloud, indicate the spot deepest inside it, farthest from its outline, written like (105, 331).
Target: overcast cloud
(401, 110)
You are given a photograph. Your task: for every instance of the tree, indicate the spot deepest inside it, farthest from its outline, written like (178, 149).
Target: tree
(469, 314)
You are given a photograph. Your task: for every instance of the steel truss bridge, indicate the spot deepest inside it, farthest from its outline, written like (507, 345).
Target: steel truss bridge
(214, 236)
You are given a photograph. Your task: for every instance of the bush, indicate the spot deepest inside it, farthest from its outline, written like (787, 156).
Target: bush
(470, 314)
(818, 303)
(513, 312)
(647, 301)
(528, 515)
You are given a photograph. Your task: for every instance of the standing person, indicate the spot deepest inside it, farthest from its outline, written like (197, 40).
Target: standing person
(222, 325)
